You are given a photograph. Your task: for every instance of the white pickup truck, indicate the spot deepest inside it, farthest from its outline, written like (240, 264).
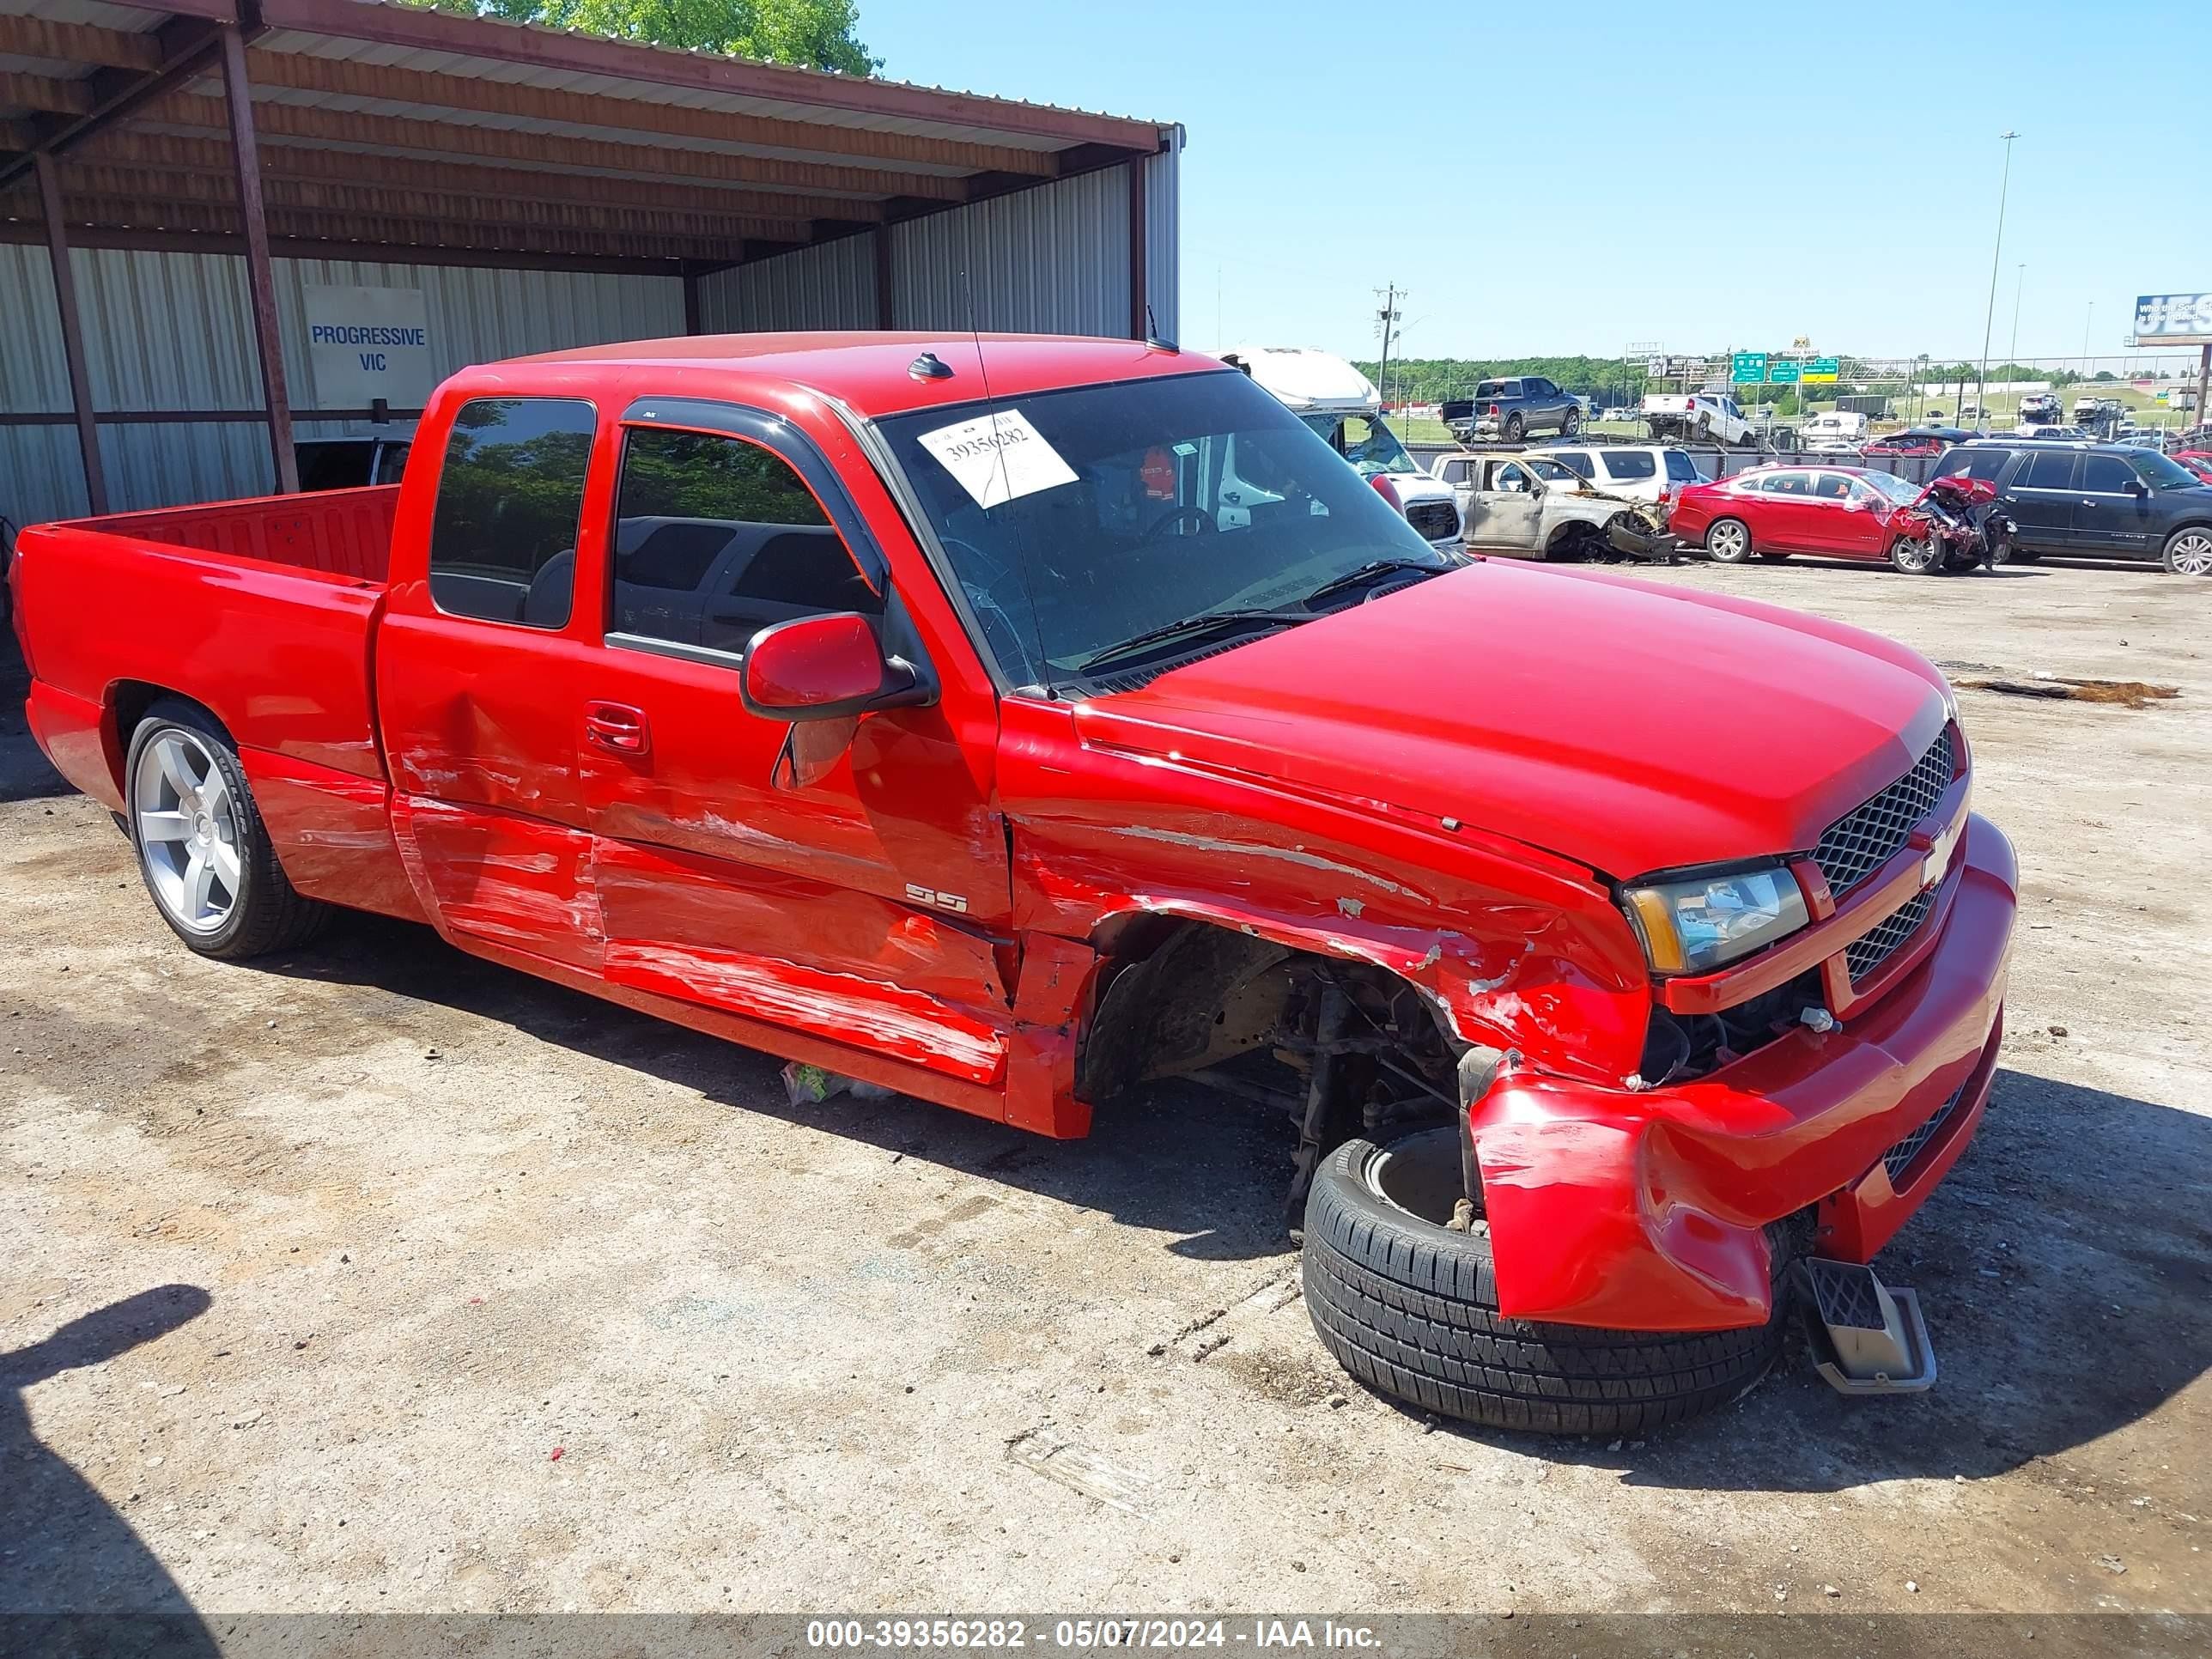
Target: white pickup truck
(1706, 416)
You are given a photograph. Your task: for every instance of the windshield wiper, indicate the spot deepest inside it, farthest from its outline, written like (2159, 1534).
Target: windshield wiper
(1204, 623)
(1369, 571)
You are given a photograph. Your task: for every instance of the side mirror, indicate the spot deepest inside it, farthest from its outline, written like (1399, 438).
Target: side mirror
(2137, 486)
(826, 667)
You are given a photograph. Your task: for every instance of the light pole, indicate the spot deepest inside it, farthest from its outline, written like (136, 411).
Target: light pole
(2086, 321)
(1988, 318)
(2019, 283)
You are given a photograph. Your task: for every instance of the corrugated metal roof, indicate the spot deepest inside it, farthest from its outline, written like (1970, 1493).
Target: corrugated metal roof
(642, 91)
(828, 78)
(134, 20)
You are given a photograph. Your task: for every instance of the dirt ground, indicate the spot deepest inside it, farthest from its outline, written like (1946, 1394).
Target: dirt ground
(374, 1278)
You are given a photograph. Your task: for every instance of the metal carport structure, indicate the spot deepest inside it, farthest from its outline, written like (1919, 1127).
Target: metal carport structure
(173, 172)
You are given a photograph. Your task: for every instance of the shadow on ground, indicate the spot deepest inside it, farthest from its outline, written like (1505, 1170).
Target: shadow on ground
(64, 1550)
(2064, 1271)
(1178, 1159)
(24, 774)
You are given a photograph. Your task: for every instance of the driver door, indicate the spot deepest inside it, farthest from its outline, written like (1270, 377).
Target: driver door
(1504, 511)
(848, 878)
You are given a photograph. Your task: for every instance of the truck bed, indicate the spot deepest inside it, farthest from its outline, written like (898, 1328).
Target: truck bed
(263, 610)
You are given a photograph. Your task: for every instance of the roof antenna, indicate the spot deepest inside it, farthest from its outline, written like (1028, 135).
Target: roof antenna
(1152, 333)
(1014, 519)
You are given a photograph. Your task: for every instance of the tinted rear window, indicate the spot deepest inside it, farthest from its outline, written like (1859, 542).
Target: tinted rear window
(1974, 463)
(503, 536)
(2049, 469)
(1679, 467)
(1632, 464)
(342, 465)
(1577, 461)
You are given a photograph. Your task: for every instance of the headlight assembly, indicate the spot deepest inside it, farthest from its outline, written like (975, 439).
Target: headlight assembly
(1695, 924)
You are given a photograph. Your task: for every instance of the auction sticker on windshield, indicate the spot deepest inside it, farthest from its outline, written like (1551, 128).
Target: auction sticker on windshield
(998, 458)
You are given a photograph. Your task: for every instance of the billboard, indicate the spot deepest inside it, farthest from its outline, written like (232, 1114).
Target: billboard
(2173, 319)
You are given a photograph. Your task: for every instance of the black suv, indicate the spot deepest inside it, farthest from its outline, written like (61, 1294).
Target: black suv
(2095, 501)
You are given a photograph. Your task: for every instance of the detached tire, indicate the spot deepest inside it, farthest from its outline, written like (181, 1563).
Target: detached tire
(1411, 1311)
(204, 853)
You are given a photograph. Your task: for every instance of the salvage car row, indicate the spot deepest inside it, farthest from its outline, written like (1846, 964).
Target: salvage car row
(1989, 502)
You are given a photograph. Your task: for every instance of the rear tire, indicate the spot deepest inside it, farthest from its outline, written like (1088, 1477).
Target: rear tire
(203, 852)
(1728, 541)
(1513, 428)
(1411, 1311)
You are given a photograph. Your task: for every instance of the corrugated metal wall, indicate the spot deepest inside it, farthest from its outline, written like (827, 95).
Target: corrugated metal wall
(174, 331)
(831, 286)
(1051, 259)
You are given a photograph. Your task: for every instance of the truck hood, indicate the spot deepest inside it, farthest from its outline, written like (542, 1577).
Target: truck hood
(1627, 725)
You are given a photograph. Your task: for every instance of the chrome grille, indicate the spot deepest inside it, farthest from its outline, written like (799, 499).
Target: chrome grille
(1434, 519)
(1857, 844)
(1869, 950)
(1898, 1158)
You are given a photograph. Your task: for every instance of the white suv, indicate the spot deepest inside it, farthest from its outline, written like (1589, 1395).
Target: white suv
(1641, 473)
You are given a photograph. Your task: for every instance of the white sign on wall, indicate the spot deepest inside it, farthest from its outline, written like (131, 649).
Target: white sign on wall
(364, 343)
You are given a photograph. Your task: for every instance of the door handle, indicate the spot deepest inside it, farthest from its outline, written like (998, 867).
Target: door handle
(2088, 503)
(616, 727)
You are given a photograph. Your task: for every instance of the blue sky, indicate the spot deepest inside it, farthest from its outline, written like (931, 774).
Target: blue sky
(1570, 177)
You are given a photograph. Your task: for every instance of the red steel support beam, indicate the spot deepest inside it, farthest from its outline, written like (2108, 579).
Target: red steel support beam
(260, 280)
(1140, 321)
(87, 435)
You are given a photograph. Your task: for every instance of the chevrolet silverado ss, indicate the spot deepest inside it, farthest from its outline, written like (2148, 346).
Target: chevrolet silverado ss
(1010, 720)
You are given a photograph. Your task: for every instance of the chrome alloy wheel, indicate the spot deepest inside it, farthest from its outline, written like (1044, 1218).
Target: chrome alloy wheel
(2191, 554)
(186, 820)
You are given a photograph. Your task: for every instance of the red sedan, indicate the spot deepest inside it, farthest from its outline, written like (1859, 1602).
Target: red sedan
(1842, 511)
(2198, 461)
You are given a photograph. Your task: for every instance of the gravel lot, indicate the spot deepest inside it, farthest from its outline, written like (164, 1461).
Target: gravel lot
(374, 1278)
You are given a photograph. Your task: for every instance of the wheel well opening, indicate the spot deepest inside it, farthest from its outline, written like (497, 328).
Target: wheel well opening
(128, 703)
(1344, 1046)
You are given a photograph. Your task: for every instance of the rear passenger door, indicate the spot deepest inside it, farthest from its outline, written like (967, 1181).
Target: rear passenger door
(477, 668)
(1787, 520)
(845, 876)
(2040, 497)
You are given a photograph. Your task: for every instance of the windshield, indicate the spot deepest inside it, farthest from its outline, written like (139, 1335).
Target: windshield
(1364, 441)
(2161, 473)
(1895, 487)
(1129, 508)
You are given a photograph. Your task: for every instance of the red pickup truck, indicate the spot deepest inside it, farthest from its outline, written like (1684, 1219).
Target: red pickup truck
(1011, 721)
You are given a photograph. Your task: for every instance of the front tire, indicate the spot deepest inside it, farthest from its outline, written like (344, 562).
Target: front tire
(203, 852)
(1410, 1308)
(1917, 557)
(1571, 424)
(2189, 552)
(1728, 541)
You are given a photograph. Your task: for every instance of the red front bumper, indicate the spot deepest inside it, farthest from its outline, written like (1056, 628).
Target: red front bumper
(1647, 1210)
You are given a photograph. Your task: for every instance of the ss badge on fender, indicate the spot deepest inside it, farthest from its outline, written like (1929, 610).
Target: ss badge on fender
(942, 901)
